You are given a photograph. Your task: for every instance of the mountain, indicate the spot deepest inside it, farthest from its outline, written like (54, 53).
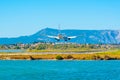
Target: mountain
(84, 36)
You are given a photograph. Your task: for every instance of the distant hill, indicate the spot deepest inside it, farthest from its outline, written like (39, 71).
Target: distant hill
(84, 36)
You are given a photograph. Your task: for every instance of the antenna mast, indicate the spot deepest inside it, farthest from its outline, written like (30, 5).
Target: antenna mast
(59, 30)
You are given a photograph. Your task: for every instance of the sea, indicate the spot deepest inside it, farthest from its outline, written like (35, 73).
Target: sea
(59, 70)
(12, 51)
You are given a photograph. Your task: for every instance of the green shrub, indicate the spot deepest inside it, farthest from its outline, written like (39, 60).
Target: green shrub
(69, 57)
(59, 57)
(41, 47)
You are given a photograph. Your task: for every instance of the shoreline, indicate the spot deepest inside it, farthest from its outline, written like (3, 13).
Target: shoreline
(62, 56)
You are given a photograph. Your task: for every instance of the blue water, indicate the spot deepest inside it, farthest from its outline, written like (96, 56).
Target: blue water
(12, 50)
(59, 70)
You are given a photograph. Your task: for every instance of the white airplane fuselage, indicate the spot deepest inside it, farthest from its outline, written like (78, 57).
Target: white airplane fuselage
(62, 37)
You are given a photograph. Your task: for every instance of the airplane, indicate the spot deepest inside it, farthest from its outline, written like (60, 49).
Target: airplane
(62, 37)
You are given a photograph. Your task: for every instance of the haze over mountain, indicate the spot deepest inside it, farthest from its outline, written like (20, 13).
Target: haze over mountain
(83, 36)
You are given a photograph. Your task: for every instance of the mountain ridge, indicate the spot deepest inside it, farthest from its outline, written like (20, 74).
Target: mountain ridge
(84, 36)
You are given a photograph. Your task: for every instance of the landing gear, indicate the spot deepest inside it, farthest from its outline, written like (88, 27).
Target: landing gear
(65, 40)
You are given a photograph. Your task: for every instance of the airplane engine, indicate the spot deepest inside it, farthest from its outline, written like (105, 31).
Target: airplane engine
(68, 38)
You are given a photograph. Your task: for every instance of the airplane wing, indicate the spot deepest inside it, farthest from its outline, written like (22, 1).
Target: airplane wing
(70, 37)
(55, 37)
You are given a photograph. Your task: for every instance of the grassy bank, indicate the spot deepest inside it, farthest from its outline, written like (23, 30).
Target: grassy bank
(110, 55)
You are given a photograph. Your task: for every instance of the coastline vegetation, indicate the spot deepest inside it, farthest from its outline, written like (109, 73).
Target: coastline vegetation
(69, 48)
(40, 51)
(53, 46)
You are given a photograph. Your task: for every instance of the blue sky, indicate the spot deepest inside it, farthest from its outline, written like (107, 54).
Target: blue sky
(25, 17)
